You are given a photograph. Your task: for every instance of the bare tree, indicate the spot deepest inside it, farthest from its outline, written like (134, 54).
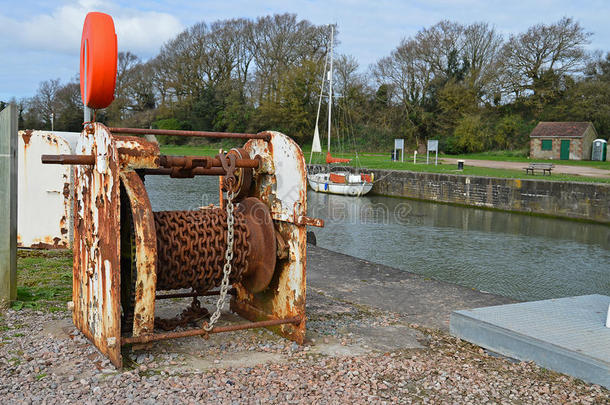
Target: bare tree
(481, 52)
(556, 48)
(279, 42)
(45, 104)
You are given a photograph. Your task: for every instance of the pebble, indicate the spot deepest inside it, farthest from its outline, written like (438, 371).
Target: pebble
(447, 370)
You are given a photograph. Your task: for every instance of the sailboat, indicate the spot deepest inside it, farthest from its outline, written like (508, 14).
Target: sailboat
(337, 181)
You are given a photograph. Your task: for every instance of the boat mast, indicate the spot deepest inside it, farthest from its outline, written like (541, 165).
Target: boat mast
(315, 147)
(330, 79)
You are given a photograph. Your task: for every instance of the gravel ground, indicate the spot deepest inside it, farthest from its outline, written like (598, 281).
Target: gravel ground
(44, 359)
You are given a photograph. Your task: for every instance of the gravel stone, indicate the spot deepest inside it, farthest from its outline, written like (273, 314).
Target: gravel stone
(44, 359)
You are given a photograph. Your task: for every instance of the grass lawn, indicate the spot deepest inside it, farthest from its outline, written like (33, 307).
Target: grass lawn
(189, 150)
(44, 279)
(507, 156)
(382, 161)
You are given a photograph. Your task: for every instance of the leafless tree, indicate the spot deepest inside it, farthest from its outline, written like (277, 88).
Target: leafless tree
(281, 41)
(557, 48)
(481, 52)
(45, 103)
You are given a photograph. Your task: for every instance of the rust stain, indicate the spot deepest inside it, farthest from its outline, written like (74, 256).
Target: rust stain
(137, 153)
(285, 296)
(49, 243)
(66, 191)
(27, 134)
(146, 253)
(96, 292)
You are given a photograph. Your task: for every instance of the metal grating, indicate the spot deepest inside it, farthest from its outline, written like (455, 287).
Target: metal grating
(565, 334)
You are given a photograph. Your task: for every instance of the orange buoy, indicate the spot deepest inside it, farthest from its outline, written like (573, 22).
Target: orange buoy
(98, 60)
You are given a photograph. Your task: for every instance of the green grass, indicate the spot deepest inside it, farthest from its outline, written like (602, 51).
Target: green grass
(510, 156)
(189, 150)
(44, 279)
(377, 161)
(382, 161)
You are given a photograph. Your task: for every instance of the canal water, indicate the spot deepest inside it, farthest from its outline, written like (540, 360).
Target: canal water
(514, 255)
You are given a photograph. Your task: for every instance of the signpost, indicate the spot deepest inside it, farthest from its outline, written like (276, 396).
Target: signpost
(8, 205)
(432, 147)
(399, 144)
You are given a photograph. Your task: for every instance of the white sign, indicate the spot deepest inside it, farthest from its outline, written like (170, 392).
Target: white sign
(433, 145)
(399, 144)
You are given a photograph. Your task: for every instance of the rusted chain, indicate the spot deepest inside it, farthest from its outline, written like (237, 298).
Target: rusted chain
(191, 247)
(227, 268)
(193, 313)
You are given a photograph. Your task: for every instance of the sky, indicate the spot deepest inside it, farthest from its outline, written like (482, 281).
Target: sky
(40, 39)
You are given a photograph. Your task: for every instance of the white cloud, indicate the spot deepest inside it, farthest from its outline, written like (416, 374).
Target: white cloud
(141, 32)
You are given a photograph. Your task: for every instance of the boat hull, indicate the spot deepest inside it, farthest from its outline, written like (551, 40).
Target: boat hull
(322, 184)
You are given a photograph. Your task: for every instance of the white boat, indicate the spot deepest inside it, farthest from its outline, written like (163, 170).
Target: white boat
(353, 186)
(335, 181)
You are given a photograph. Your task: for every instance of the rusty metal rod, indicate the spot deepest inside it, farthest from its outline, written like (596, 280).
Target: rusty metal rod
(232, 291)
(201, 134)
(201, 161)
(165, 161)
(198, 171)
(217, 329)
(68, 159)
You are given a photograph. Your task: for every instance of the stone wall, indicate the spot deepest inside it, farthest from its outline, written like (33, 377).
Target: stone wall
(588, 201)
(580, 148)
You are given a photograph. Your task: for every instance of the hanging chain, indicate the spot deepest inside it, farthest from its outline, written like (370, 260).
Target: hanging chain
(224, 286)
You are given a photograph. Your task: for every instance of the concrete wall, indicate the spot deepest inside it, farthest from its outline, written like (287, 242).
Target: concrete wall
(589, 201)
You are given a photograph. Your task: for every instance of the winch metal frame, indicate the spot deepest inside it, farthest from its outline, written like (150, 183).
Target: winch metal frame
(105, 160)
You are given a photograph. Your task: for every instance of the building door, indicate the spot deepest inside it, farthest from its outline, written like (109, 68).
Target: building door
(565, 150)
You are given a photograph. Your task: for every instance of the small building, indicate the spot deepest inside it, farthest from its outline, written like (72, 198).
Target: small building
(562, 140)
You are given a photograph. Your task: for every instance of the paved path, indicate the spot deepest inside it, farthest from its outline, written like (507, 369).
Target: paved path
(563, 169)
(416, 298)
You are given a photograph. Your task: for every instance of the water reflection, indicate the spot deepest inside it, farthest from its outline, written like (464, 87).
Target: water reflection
(520, 256)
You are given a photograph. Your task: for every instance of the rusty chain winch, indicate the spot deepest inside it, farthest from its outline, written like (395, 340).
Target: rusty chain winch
(254, 240)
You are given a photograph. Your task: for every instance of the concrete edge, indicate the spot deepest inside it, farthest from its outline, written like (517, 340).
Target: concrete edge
(464, 176)
(521, 347)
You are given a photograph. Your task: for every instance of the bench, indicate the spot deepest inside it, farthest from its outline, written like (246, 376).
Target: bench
(543, 167)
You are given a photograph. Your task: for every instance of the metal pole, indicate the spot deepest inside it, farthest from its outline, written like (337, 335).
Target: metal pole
(86, 110)
(201, 331)
(330, 79)
(8, 205)
(200, 134)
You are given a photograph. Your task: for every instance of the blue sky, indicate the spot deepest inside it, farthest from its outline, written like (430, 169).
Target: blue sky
(39, 40)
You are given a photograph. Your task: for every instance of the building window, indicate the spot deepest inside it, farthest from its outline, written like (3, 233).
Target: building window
(547, 144)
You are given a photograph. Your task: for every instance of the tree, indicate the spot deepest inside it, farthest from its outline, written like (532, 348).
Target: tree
(471, 134)
(292, 110)
(126, 62)
(281, 42)
(45, 104)
(70, 108)
(557, 48)
(481, 51)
